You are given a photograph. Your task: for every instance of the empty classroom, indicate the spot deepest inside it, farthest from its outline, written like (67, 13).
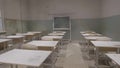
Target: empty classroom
(59, 34)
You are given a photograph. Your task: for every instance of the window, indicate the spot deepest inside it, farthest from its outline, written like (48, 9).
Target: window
(1, 23)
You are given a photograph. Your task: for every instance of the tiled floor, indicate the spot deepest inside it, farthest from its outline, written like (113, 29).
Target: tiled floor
(73, 58)
(70, 57)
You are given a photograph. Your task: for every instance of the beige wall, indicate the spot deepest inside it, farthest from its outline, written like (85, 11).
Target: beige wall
(24, 9)
(110, 8)
(46, 9)
(76, 9)
(15, 9)
(12, 9)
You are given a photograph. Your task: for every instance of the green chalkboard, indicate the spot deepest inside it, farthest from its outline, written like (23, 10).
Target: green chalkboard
(61, 22)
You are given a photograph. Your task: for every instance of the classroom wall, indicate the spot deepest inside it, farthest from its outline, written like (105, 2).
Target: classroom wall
(84, 14)
(24, 9)
(47, 9)
(36, 15)
(111, 18)
(83, 25)
(12, 9)
(15, 9)
(110, 8)
(15, 14)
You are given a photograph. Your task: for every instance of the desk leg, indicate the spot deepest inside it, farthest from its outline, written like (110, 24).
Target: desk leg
(118, 50)
(97, 57)
(11, 66)
(117, 66)
(16, 66)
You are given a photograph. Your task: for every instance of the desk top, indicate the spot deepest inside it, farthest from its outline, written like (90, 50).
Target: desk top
(23, 34)
(43, 43)
(52, 37)
(34, 32)
(24, 57)
(4, 40)
(90, 32)
(91, 35)
(59, 32)
(15, 36)
(98, 38)
(114, 57)
(56, 34)
(106, 44)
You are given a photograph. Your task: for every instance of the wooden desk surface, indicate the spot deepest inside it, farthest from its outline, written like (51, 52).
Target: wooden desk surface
(115, 58)
(115, 44)
(24, 34)
(24, 57)
(15, 36)
(43, 43)
(56, 34)
(52, 37)
(35, 32)
(86, 32)
(91, 35)
(59, 32)
(97, 38)
(4, 40)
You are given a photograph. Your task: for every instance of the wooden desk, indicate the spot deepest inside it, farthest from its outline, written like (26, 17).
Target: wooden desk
(37, 34)
(46, 46)
(16, 39)
(115, 44)
(28, 36)
(98, 38)
(34, 32)
(57, 38)
(56, 34)
(91, 35)
(89, 39)
(17, 57)
(86, 32)
(24, 34)
(43, 45)
(59, 32)
(105, 46)
(115, 58)
(4, 40)
(4, 43)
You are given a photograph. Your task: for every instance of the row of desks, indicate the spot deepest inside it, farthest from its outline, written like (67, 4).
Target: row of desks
(101, 43)
(20, 37)
(17, 39)
(35, 57)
